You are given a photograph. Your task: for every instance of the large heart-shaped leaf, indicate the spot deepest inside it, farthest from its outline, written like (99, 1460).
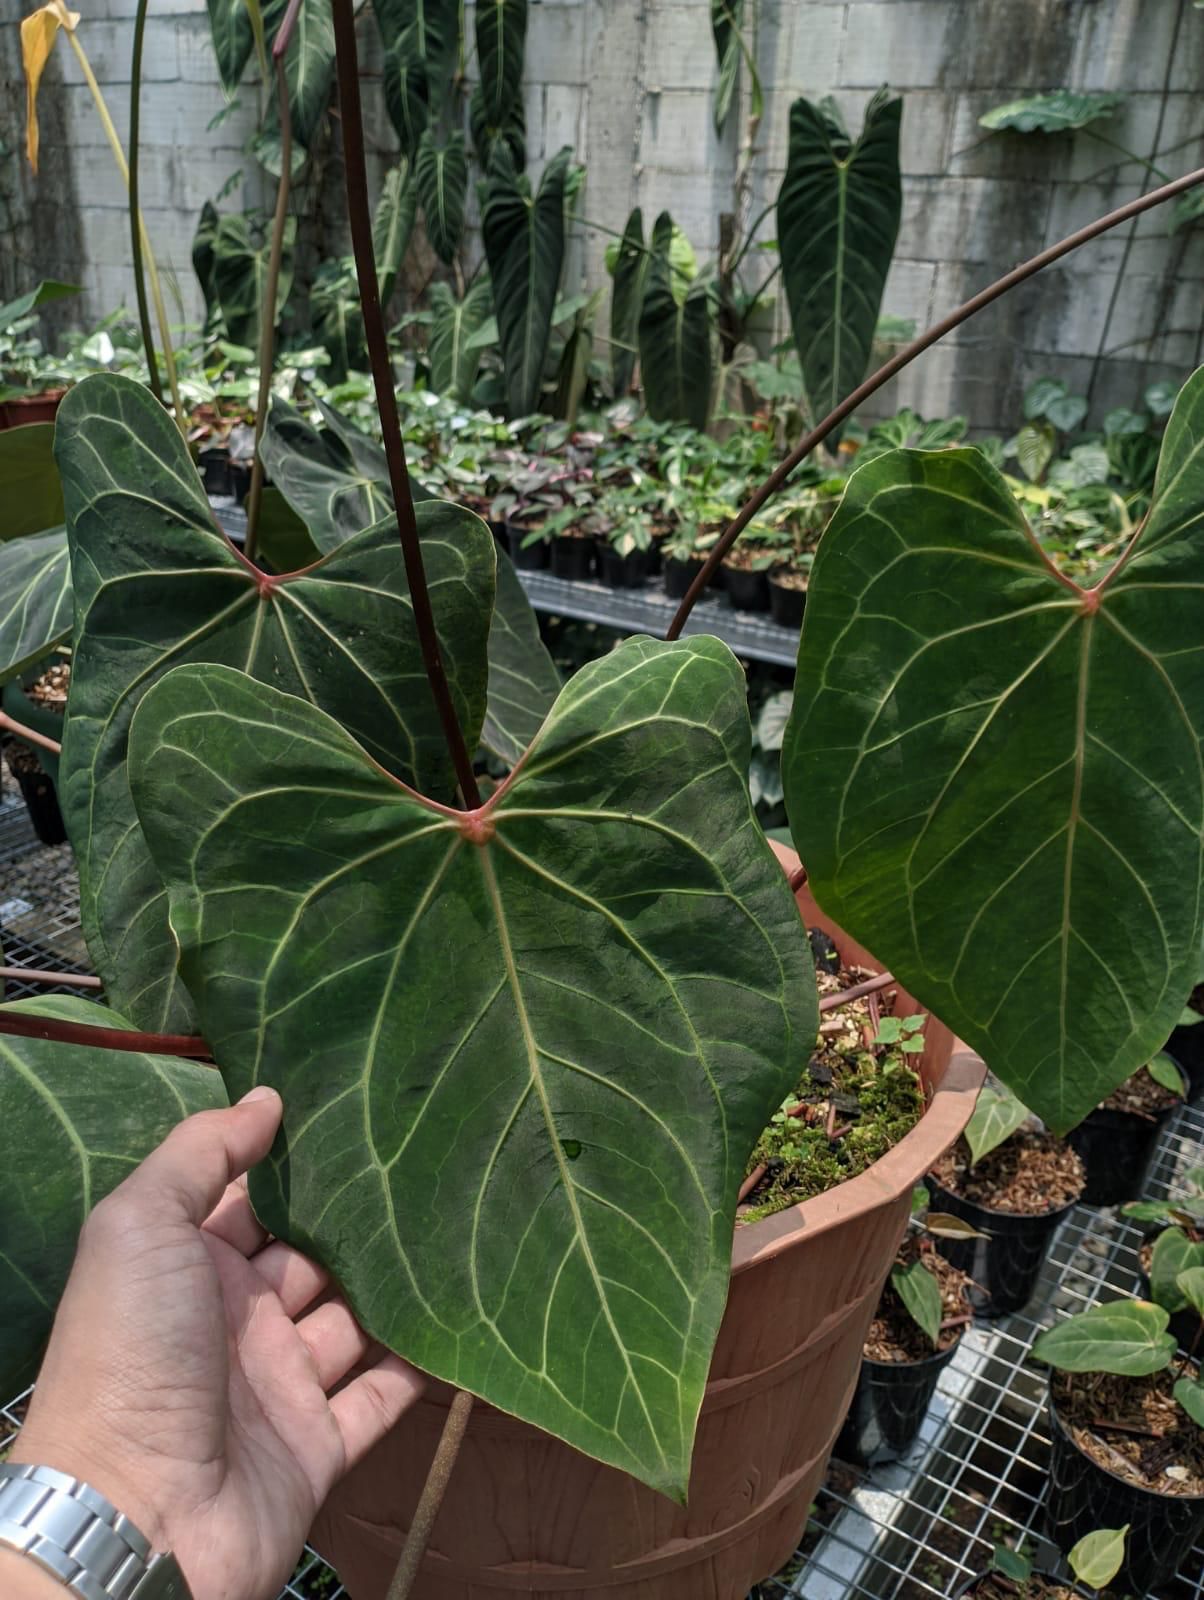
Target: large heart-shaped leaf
(433, 30)
(674, 339)
(584, 1006)
(838, 216)
(501, 37)
(240, 273)
(524, 243)
(626, 299)
(441, 174)
(35, 599)
(406, 92)
(454, 361)
(230, 28)
(1173, 1255)
(1127, 1337)
(392, 225)
(332, 494)
(308, 64)
(523, 680)
(76, 1122)
(31, 499)
(155, 584)
(995, 778)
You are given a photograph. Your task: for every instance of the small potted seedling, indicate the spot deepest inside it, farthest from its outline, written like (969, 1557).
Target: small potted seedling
(1116, 1141)
(37, 701)
(917, 1327)
(1095, 1561)
(1174, 1241)
(1126, 1416)
(1013, 1182)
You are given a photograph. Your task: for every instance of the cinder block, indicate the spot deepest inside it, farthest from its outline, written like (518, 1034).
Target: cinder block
(108, 46)
(905, 43)
(809, 47)
(1001, 221)
(678, 133)
(556, 37)
(1127, 44)
(1135, 125)
(679, 48)
(909, 292)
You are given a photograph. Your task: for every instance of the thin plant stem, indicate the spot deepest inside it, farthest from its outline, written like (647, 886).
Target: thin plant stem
(144, 322)
(855, 991)
(30, 735)
(1129, 155)
(74, 980)
(360, 216)
(106, 122)
(24, 1025)
(431, 1498)
(267, 310)
(896, 364)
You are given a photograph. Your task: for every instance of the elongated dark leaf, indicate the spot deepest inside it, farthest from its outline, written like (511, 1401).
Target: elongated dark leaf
(523, 680)
(31, 499)
(501, 38)
(309, 64)
(240, 272)
(838, 216)
(406, 92)
(920, 1293)
(453, 362)
(486, 134)
(674, 340)
(1059, 112)
(40, 295)
(441, 175)
(524, 243)
(76, 1123)
(204, 258)
(230, 27)
(995, 780)
(624, 994)
(333, 496)
(1127, 1337)
(432, 28)
(35, 599)
(155, 584)
(626, 299)
(727, 17)
(392, 226)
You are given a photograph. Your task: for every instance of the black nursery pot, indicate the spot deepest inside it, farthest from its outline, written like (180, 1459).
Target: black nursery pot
(890, 1402)
(747, 591)
(1083, 1496)
(572, 557)
(679, 575)
(786, 605)
(42, 803)
(214, 463)
(531, 557)
(1004, 1266)
(1186, 1045)
(622, 572)
(1116, 1147)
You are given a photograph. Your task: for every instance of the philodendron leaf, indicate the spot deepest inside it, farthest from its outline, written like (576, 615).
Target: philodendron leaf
(523, 680)
(994, 777)
(585, 1002)
(35, 599)
(454, 361)
(1173, 1255)
(1098, 1556)
(838, 216)
(626, 298)
(524, 243)
(230, 29)
(392, 225)
(1189, 1392)
(501, 36)
(334, 496)
(674, 339)
(76, 1121)
(441, 176)
(406, 90)
(1127, 1337)
(1013, 1564)
(240, 273)
(156, 584)
(309, 63)
(1058, 112)
(1191, 1287)
(997, 1115)
(31, 499)
(921, 1297)
(431, 29)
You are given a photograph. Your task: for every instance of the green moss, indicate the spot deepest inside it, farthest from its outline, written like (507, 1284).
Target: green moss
(802, 1160)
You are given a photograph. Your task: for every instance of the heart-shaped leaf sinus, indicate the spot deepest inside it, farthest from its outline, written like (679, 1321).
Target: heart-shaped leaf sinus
(526, 1051)
(995, 777)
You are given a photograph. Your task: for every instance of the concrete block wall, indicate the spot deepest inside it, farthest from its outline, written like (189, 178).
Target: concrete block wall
(629, 84)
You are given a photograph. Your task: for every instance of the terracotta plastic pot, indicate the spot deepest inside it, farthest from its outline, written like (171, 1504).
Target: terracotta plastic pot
(525, 1515)
(1083, 1496)
(889, 1406)
(28, 408)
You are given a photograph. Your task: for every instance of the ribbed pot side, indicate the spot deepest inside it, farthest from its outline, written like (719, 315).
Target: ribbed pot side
(527, 1515)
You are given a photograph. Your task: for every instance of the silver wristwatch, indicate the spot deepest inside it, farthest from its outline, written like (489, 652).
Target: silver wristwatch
(73, 1532)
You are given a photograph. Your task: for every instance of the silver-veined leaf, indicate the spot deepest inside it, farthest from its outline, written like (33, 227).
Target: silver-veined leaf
(441, 176)
(674, 339)
(392, 226)
(511, 131)
(524, 243)
(997, 1115)
(432, 31)
(308, 64)
(333, 495)
(920, 1293)
(995, 778)
(587, 1015)
(406, 91)
(35, 599)
(1126, 1337)
(156, 584)
(230, 29)
(838, 217)
(240, 274)
(523, 680)
(501, 37)
(454, 360)
(1174, 1254)
(1060, 111)
(77, 1121)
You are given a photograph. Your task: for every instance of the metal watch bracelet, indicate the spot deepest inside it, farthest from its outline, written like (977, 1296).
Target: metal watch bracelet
(71, 1531)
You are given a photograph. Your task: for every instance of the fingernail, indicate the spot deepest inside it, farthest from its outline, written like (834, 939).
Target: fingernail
(261, 1091)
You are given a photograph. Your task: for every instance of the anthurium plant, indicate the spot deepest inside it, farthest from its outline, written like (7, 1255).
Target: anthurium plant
(527, 1034)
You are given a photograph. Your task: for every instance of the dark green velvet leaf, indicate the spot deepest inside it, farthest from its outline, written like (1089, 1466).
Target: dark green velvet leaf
(674, 339)
(35, 599)
(333, 495)
(627, 297)
(392, 225)
(454, 361)
(523, 680)
(156, 584)
(501, 36)
(995, 782)
(520, 1147)
(77, 1121)
(441, 174)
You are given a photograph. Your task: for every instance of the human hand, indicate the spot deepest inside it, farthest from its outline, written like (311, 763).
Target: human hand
(189, 1373)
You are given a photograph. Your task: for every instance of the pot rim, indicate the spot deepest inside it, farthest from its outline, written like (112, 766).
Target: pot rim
(892, 1175)
(1055, 1216)
(920, 1361)
(1060, 1427)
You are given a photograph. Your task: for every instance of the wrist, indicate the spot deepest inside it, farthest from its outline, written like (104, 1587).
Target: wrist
(40, 1445)
(23, 1579)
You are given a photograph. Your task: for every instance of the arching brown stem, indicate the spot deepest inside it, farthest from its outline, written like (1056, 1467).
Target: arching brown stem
(24, 1025)
(75, 980)
(360, 216)
(896, 364)
(30, 735)
(856, 991)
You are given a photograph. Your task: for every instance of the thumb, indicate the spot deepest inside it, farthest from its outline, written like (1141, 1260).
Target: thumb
(191, 1169)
